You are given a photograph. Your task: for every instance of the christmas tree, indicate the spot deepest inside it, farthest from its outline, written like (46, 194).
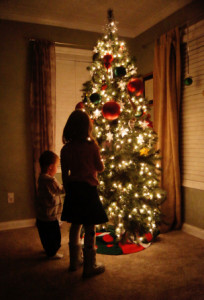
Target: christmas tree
(129, 186)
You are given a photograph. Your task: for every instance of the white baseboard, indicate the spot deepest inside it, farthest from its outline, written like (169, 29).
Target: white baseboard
(193, 230)
(17, 224)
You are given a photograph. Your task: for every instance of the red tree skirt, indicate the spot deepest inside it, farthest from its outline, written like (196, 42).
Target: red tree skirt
(106, 244)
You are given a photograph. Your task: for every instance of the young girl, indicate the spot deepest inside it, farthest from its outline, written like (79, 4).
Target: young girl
(49, 205)
(80, 163)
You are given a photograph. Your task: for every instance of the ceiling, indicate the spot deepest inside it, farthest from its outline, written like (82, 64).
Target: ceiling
(133, 16)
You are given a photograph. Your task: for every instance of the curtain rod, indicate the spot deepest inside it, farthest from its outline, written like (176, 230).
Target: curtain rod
(62, 43)
(191, 21)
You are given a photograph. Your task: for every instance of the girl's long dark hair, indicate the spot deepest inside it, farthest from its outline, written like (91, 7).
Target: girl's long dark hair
(78, 127)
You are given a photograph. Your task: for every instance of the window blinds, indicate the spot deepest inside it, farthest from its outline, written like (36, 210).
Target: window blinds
(192, 108)
(71, 73)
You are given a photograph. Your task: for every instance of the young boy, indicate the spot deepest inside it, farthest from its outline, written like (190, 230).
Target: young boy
(49, 205)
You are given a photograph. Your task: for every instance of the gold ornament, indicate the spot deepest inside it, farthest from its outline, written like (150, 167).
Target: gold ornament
(144, 151)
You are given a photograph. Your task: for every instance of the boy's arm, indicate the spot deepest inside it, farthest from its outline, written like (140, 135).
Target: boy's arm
(56, 187)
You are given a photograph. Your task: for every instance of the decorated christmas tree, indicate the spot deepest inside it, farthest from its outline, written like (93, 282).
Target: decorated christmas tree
(129, 186)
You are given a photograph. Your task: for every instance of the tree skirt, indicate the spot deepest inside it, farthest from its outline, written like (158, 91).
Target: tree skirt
(106, 243)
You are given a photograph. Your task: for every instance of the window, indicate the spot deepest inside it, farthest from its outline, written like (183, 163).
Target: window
(193, 108)
(148, 92)
(71, 73)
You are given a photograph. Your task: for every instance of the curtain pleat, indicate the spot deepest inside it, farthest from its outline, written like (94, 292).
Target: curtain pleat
(167, 89)
(42, 99)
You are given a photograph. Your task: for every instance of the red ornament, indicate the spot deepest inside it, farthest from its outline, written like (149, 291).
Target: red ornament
(108, 58)
(111, 110)
(79, 105)
(147, 117)
(148, 236)
(104, 87)
(150, 124)
(136, 86)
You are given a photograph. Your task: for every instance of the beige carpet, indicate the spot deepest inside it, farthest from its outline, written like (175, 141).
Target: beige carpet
(171, 268)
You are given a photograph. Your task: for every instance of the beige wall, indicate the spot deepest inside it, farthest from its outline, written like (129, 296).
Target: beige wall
(15, 146)
(193, 207)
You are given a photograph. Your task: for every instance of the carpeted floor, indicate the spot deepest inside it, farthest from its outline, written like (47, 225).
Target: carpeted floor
(171, 268)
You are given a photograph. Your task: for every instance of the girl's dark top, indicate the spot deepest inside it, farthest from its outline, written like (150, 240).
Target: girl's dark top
(80, 163)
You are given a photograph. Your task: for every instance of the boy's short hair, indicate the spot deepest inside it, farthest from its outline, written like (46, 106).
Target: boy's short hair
(46, 159)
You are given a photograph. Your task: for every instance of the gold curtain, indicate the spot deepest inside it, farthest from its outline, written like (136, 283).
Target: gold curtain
(42, 99)
(166, 94)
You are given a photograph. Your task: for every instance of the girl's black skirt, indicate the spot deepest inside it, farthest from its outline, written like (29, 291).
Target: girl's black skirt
(82, 205)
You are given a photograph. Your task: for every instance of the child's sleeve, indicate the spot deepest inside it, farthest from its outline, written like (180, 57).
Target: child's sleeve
(56, 187)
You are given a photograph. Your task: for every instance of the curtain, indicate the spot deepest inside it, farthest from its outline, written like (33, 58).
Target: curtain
(42, 99)
(166, 95)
